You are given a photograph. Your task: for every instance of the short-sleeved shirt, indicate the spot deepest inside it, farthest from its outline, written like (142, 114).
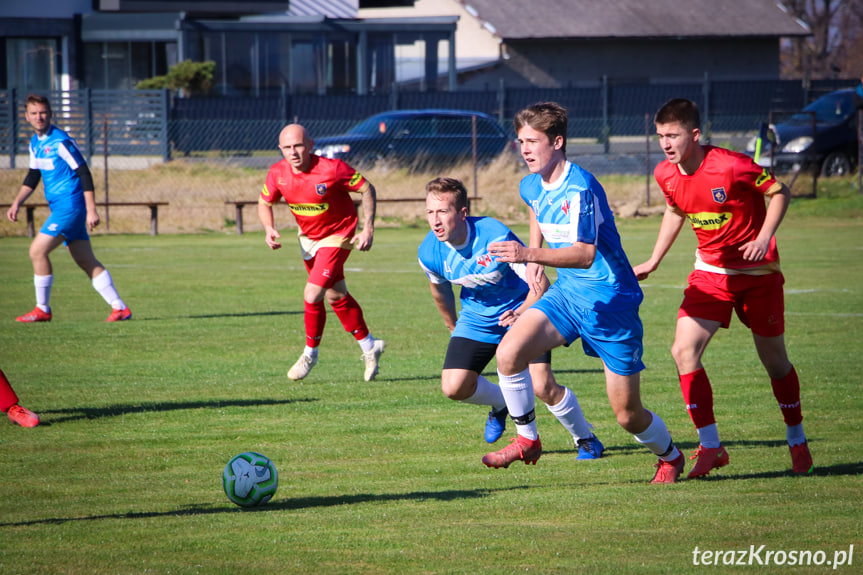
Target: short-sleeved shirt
(319, 198)
(488, 287)
(725, 203)
(575, 209)
(56, 156)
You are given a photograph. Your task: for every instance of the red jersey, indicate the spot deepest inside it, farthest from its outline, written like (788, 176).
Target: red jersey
(319, 198)
(725, 203)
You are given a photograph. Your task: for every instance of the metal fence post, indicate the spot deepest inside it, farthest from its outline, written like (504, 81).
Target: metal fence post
(166, 135)
(606, 129)
(705, 114)
(13, 129)
(88, 123)
(501, 101)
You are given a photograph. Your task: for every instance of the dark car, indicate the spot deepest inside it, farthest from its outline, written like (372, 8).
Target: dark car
(418, 139)
(832, 147)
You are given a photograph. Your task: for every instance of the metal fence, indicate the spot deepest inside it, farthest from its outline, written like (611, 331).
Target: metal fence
(133, 133)
(153, 123)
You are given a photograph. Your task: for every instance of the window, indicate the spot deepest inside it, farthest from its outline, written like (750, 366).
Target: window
(33, 64)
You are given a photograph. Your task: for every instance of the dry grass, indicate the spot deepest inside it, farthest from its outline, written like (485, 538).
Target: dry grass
(197, 193)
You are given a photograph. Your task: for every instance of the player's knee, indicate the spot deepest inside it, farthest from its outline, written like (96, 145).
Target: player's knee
(456, 389)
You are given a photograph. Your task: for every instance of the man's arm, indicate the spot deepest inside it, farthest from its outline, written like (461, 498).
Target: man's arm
(756, 249)
(578, 255)
(271, 234)
(672, 222)
(89, 195)
(508, 317)
(444, 299)
(363, 240)
(31, 180)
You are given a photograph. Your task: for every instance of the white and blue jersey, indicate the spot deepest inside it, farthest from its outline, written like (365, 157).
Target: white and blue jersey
(488, 287)
(575, 209)
(56, 156)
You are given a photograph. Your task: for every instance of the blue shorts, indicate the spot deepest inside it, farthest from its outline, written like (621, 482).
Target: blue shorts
(70, 225)
(612, 336)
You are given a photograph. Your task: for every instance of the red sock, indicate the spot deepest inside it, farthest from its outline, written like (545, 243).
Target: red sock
(315, 318)
(787, 393)
(7, 394)
(350, 314)
(698, 396)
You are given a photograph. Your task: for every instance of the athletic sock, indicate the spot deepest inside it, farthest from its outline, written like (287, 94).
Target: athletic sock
(350, 314)
(315, 317)
(43, 291)
(698, 396)
(708, 436)
(657, 439)
(7, 394)
(104, 284)
(367, 343)
(568, 413)
(787, 393)
(517, 390)
(311, 352)
(486, 393)
(795, 436)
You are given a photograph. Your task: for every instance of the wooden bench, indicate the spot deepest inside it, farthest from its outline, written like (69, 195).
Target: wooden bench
(240, 204)
(154, 213)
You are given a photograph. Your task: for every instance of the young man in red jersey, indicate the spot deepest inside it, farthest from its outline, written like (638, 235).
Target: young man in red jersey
(9, 405)
(722, 193)
(318, 192)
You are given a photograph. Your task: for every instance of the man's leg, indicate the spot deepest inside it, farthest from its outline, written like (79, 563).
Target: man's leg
(82, 252)
(786, 390)
(531, 336)
(563, 404)
(647, 428)
(43, 277)
(690, 341)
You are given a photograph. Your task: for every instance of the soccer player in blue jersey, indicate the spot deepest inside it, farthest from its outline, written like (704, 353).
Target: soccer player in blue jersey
(56, 160)
(595, 298)
(493, 295)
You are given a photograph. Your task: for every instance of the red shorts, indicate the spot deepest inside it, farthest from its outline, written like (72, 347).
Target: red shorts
(327, 267)
(758, 300)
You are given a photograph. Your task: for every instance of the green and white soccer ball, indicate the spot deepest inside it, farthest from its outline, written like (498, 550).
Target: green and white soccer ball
(250, 479)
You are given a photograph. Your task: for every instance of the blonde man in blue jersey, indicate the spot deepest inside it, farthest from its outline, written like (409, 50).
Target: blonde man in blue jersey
(56, 160)
(595, 298)
(492, 296)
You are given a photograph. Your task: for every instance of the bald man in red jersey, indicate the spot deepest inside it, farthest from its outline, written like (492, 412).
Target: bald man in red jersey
(318, 192)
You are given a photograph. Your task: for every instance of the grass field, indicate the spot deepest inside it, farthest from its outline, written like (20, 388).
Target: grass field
(140, 417)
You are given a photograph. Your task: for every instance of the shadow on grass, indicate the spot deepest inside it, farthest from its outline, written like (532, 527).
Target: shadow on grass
(219, 315)
(686, 446)
(78, 413)
(281, 504)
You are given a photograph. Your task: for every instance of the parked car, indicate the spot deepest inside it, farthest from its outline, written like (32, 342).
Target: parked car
(832, 147)
(418, 139)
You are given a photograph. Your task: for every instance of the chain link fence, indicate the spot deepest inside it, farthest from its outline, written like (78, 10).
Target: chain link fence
(199, 154)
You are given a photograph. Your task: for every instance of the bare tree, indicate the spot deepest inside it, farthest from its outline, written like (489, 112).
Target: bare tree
(836, 44)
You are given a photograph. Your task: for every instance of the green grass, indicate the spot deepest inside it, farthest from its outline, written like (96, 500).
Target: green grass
(124, 475)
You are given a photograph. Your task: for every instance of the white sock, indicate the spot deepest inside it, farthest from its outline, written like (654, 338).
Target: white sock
(104, 284)
(43, 291)
(795, 435)
(568, 413)
(367, 343)
(311, 352)
(486, 393)
(517, 390)
(708, 436)
(657, 439)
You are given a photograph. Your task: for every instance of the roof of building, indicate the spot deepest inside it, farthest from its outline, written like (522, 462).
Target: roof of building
(593, 19)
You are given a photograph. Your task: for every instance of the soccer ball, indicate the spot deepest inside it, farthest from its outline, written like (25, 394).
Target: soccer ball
(250, 479)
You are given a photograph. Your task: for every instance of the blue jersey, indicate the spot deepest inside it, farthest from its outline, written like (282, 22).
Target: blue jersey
(56, 156)
(488, 287)
(575, 209)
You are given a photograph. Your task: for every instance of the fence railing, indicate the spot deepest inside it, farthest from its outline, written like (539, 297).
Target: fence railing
(153, 123)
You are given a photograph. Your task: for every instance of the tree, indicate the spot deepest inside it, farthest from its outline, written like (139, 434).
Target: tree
(187, 77)
(836, 44)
